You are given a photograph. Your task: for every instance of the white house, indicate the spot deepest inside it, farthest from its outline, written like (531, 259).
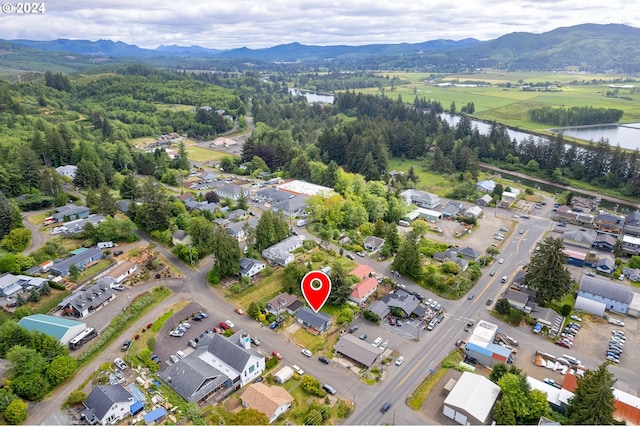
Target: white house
(69, 171)
(250, 267)
(280, 253)
(420, 198)
(272, 401)
(120, 272)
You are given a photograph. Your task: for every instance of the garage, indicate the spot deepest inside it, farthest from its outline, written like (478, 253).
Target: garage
(591, 306)
(471, 400)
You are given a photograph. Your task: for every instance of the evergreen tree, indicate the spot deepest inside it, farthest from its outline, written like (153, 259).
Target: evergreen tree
(227, 253)
(5, 215)
(407, 261)
(181, 161)
(592, 402)
(241, 203)
(547, 275)
(129, 189)
(106, 204)
(369, 169)
(153, 213)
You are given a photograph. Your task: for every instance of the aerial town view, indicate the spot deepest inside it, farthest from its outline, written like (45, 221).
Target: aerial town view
(319, 214)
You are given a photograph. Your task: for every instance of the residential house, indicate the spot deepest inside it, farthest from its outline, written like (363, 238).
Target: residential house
(280, 253)
(217, 367)
(584, 204)
(452, 209)
(575, 257)
(123, 205)
(362, 271)
(631, 245)
(82, 260)
(605, 242)
(363, 290)
(250, 267)
(372, 243)
(196, 205)
(517, 299)
(315, 323)
(187, 196)
(70, 212)
(272, 401)
(294, 206)
(61, 329)
(471, 400)
(84, 302)
(473, 211)
(107, 404)
(420, 198)
(486, 186)
(632, 224)
(358, 350)
(284, 302)
(484, 201)
(580, 238)
(9, 285)
(180, 237)
(606, 265)
(121, 271)
(469, 253)
(78, 225)
(451, 255)
(508, 198)
(597, 295)
(609, 223)
(232, 191)
(632, 274)
(69, 171)
(238, 229)
(547, 317)
(236, 215)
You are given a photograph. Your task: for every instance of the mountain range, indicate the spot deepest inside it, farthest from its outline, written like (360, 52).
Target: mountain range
(588, 47)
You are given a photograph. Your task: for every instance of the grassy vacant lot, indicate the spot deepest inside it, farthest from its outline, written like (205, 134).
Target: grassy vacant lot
(197, 153)
(510, 106)
(94, 270)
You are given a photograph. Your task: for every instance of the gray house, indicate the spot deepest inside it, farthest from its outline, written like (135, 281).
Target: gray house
(107, 404)
(597, 295)
(232, 191)
(372, 243)
(606, 265)
(280, 253)
(83, 302)
(358, 350)
(420, 198)
(578, 238)
(291, 207)
(632, 224)
(81, 260)
(315, 323)
(70, 212)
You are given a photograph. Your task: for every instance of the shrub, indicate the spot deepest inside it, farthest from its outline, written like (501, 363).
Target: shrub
(76, 397)
(566, 310)
(16, 412)
(371, 316)
(271, 362)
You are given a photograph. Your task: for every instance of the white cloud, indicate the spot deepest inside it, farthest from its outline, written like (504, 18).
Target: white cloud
(265, 23)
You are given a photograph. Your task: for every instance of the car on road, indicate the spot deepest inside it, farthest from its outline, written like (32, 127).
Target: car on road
(255, 340)
(349, 256)
(117, 253)
(562, 225)
(471, 296)
(385, 407)
(329, 389)
(489, 302)
(120, 364)
(515, 216)
(126, 345)
(521, 231)
(363, 336)
(504, 279)
(174, 359)
(492, 273)
(400, 360)
(323, 360)
(307, 353)
(384, 344)
(501, 261)
(239, 311)
(459, 343)
(353, 329)
(276, 354)
(361, 254)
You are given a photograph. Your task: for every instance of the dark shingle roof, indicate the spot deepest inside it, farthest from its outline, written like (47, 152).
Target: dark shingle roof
(192, 378)
(317, 320)
(102, 397)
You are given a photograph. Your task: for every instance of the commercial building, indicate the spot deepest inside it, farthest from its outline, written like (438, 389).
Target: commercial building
(471, 400)
(60, 328)
(481, 347)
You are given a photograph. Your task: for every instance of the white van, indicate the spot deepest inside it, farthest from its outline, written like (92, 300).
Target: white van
(301, 222)
(404, 223)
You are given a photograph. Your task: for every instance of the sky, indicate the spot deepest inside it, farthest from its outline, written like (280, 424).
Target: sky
(228, 24)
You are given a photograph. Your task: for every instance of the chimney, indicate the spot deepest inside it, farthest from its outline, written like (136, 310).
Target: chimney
(245, 341)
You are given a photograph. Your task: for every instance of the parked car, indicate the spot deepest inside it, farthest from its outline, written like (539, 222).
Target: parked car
(361, 254)
(384, 344)
(174, 359)
(489, 302)
(377, 341)
(120, 364)
(229, 324)
(239, 311)
(392, 320)
(297, 369)
(180, 354)
(117, 253)
(193, 344)
(217, 330)
(352, 329)
(576, 318)
(255, 340)
(118, 287)
(471, 296)
(329, 389)
(126, 345)
(307, 353)
(363, 337)
(349, 256)
(400, 360)
(323, 360)
(276, 354)
(501, 261)
(176, 333)
(224, 326)
(616, 321)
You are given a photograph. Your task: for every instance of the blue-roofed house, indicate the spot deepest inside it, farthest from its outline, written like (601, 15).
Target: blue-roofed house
(81, 260)
(155, 416)
(315, 323)
(61, 329)
(486, 186)
(107, 404)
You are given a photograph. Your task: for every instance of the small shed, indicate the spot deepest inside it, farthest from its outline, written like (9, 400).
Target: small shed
(284, 375)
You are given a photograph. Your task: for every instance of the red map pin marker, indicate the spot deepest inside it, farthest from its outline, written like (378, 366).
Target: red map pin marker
(316, 287)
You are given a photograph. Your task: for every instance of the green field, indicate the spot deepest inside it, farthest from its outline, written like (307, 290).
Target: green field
(202, 154)
(510, 105)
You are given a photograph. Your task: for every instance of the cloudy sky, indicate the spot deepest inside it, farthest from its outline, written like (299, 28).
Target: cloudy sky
(226, 24)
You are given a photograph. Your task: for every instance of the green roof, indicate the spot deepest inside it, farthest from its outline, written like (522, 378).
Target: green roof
(50, 325)
(78, 251)
(412, 215)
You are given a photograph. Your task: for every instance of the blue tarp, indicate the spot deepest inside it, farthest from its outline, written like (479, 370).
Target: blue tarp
(136, 407)
(154, 415)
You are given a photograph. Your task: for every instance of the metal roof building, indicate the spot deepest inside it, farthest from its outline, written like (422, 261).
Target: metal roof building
(358, 350)
(471, 400)
(61, 328)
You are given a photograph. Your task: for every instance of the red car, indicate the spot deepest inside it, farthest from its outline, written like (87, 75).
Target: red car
(217, 330)
(276, 354)
(224, 326)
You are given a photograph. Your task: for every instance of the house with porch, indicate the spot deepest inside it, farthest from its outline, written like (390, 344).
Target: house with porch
(250, 267)
(315, 323)
(272, 401)
(107, 404)
(605, 242)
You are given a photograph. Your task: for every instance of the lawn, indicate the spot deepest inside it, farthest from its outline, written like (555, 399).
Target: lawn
(264, 290)
(418, 396)
(307, 340)
(197, 153)
(94, 270)
(430, 182)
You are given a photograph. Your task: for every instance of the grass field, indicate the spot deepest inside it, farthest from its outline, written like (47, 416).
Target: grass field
(202, 154)
(510, 105)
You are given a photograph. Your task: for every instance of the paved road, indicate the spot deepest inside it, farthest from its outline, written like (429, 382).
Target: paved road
(37, 239)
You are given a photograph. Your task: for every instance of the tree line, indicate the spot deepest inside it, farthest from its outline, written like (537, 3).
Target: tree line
(575, 116)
